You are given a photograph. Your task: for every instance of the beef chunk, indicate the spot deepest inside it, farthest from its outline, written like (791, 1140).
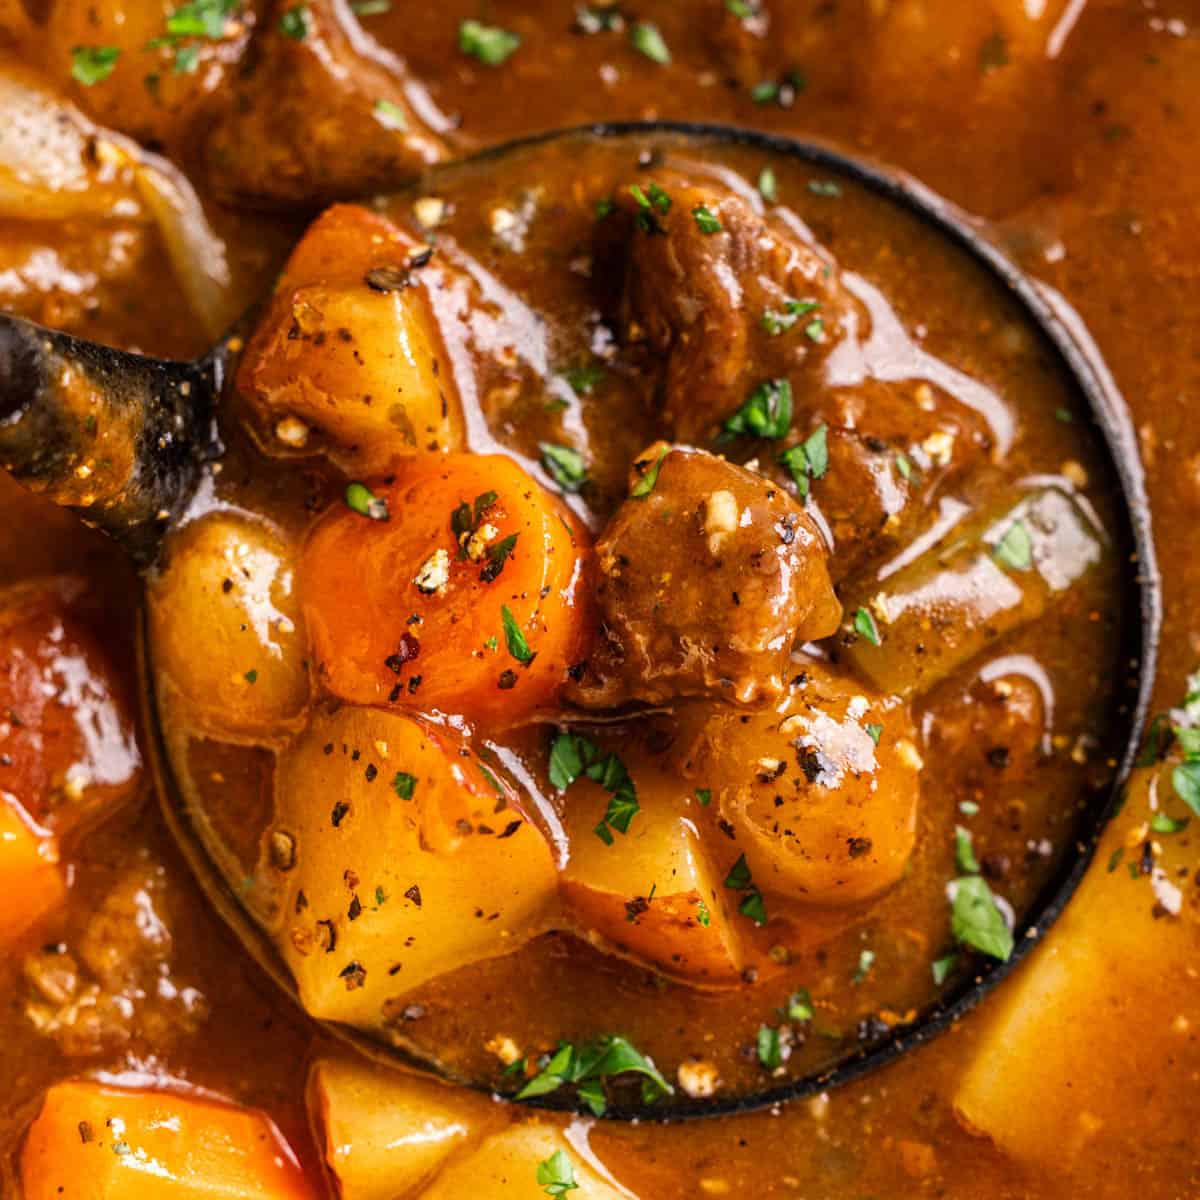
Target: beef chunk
(707, 581)
(755, 300)
(318, 118)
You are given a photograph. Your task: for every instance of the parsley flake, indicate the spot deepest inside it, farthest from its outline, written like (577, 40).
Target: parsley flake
(864, 626)
(808, 460)
(363, 501)
(768, 185)
(588, 1065)
(964, 851)
(556, 1175)
(391, 116)
(404, 785)
(706, 220)
(976, 920)
(295, 22)
(565, 465)
(767, 414)
(645, 484)
(1015, 548)
(491, 45)
(647, 40)
(93, 64)
(514, 639)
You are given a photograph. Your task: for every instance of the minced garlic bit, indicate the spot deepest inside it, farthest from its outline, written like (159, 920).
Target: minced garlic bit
(939, 445)
(504, 1048)
(909, 755)
(477, 544)
(698, 1078)
(430, 211)
(291, 431)
(434, 573)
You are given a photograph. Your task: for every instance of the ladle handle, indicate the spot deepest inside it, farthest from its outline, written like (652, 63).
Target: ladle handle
(118, 437)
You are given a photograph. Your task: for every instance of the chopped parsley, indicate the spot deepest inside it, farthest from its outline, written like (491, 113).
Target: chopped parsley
(295, 22)
(404, 785)
(768, 185)
(1186, 781)
(704, 795)
(363, 501)
(1162, 823)
(739, 879)
(647, 40)
(702, 914)
(770, 1047)
(497, 556)
(390, 115)
(905, 467)
(491, 45)
(645, 485)
(1015, 548)
(780, 91)
(514, 639)
(706, 220)
(584, 379)
(875, 732)
(942, 968)
(572, 756)
(556, 1175)
(968, 808)
(587, 1066)
(864, 626)
(651, 202)
(201, 18)
(741, 9)
(93, 64)
(466, 519)
(565, 465)
(371, 8)
(807, 460)
(800, 1006)
(824, 187)
(777, 321)
(767, 414)
(251, 676)
(976, 920)
(964, 851)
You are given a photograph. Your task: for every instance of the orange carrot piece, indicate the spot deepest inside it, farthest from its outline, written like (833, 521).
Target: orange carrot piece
(95, 1142)
(474, 595)
(33, 884)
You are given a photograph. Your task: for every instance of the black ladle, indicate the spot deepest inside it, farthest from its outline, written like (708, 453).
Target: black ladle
(63, 399)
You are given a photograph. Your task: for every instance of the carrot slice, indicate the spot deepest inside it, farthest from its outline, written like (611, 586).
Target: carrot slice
(94, 1142)
(33, 884)
(473, 595)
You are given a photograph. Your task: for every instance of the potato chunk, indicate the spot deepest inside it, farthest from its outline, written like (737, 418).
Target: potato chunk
(822, 791)
(348, 358)
(506, 1165)
(709, 575)
(406, 860)
(1128, 938)
(384, 1133)
(227, 587)
(653, 894)
(29, 867)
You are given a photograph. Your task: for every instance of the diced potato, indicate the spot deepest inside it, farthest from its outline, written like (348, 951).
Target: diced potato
(349, 358)
(94, 1142)
(33, 884)
(653, 894)
(1127, 939)
(995, 571)
(506, 1165)
(384, 1133)
(822, 811)
(408, 863)
(227, 588)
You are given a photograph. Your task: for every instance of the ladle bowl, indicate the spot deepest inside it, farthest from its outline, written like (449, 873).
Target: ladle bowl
(169, 412)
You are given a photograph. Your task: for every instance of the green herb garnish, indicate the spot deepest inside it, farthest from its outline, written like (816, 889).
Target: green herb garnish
(573, 756)
(864, 626)
(706, 220)
(565, 465)
(647, 40)
(363, 501)
(404, 784)
(391, 115)
(645, 485)
(768, 185)
(1015, 548)
(556, 1175)
(491, 45)
(767, 414)
(93, 64)
(587, 1067)
(777, 321)
(976, 920)
(808, 460)
(942, 968)
(770, 1047)
(295, 22)
(514, 639)
(964, 851)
